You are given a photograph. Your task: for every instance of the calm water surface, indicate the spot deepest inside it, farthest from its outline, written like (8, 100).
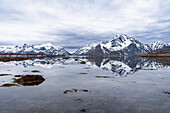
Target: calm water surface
(93, 85)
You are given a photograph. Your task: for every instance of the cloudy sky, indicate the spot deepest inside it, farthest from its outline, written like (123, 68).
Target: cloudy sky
(75, 23)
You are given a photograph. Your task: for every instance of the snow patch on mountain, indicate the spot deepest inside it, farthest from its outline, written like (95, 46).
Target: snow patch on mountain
(84, 50)
(158, 45)
(47, 49)
(120, 45)
(118, 42)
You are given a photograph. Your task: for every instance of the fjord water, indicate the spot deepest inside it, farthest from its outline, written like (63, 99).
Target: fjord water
(92, 85)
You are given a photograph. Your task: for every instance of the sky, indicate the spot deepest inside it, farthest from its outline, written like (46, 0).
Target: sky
(74, 23)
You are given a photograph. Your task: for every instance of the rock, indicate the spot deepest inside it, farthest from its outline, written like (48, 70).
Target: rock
(9, 85)
(83, 110)
(82, 62)
(67, 91)
(103, 77)
(35, 71)
(75, 90)
(5, 74)
(18, 75)
(83, 73)
(166, 92)
(85, 90)
(30, 80)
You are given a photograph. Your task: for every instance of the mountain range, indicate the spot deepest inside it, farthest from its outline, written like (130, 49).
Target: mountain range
(119, 45)
(47, 49)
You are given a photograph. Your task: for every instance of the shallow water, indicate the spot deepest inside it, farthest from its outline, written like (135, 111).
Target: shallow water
(124, 85)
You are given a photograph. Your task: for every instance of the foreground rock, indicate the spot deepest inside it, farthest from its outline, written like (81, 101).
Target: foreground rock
(29, 80)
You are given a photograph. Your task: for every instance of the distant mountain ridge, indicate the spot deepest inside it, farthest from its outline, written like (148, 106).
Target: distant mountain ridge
(47, 49)
(158, 45)
(163, 52)
(120, 45)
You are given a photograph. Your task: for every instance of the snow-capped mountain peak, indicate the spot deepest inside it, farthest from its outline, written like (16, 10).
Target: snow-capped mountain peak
(118, 42)
(122, 37)
(85, 49)
(158, 45)
(120, 45)
(47, 49)
(47, 44)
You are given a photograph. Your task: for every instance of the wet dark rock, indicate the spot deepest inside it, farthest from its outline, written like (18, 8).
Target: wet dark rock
(29, 80)
(104, 77)
(83, 73)
(35, 71)
(82, 62)
(5, 74)
(67, 91)
(66, 58)
(76, 59)
(9, 85)
(18, 75)
(85, 90)
(47, 62)
(75, 90)
(83, 110)
(166, 92)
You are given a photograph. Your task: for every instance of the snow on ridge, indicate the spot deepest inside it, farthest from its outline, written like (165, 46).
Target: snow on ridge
(85, 49)
(118, 42)
(158, 45)
(46, 48)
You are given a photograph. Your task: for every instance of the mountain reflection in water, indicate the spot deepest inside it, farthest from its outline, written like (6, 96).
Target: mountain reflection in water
(119, 66)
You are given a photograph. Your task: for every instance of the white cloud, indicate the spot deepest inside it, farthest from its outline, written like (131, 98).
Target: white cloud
(35, 20)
